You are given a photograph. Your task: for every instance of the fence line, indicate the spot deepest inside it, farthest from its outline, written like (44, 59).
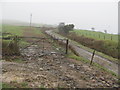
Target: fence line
(104, 37)
(54, 39)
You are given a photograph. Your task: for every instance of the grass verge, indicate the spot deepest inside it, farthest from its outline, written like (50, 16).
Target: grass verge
(14, 84)
(6, 85)
(96, 35)
(97, 52)
(115, 60)
(86, 61)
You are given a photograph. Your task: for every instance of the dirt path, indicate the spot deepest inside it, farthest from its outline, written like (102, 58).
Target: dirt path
(81, 52)
(51, 69)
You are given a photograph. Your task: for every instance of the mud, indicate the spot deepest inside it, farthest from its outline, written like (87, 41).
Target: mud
(51, 69)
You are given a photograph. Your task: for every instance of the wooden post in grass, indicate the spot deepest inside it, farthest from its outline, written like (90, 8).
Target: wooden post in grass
(16, 46)
(104, 37)
(67, 46)
(92, 57)
(111, 37)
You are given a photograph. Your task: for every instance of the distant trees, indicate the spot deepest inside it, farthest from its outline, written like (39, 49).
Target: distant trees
(105, 31)
(93, 28)
(64, 29)
(61, 27)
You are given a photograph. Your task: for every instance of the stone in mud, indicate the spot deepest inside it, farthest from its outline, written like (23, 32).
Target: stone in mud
(41, 69)
(41, 76)
(91, 77)
(28, 80)
(93, 81)
(55, 84)
(4, 71)
(102, 78)
(27, 55)
(41, 55)
(116, 86)
(60, 66)
(58, 62)
(72, 65)
(57, 49)
(62, 57)
(103, 82)
(108, 84)
(29, 58)
(82, 72)
(78, 67)
(68, 85)
(53, 52)
(40, 59)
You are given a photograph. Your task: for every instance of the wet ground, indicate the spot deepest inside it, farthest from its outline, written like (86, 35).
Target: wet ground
(51, 69)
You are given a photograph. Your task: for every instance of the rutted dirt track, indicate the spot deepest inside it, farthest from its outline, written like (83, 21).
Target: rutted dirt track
(52, 69)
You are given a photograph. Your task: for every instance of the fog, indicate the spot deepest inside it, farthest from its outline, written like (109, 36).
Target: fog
(84, 15)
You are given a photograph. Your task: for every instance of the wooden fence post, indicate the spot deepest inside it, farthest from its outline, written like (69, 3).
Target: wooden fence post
(104, 37)
(92, 57)
(67, 46)
(16, 45)
(111, 37)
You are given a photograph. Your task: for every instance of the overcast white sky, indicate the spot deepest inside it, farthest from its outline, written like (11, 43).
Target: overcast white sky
(83, 13)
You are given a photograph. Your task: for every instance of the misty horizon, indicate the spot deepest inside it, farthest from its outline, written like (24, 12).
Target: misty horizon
(84, 15)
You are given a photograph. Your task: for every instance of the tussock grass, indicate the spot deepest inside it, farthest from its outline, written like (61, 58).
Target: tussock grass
(10, 48)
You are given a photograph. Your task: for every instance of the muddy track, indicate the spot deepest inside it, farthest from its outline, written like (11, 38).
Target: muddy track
(51, 69)
(84, 53)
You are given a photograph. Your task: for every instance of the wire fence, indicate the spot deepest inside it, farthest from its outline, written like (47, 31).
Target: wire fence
(46, 45)
(101, 36)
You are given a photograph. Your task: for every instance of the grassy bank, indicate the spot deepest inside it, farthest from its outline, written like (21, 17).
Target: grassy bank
(16, 30)
(88, 49)
(96, 35)
(104, 46)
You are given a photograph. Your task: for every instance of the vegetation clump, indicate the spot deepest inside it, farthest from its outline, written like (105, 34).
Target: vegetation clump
(108, 47)
(64, 29)
(10, 47)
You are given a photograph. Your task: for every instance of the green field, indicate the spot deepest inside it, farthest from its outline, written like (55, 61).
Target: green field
(102, 42)
(12, 31)
(17, 30)
(97, 35)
